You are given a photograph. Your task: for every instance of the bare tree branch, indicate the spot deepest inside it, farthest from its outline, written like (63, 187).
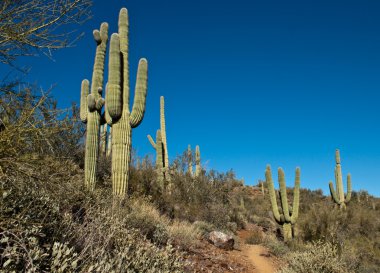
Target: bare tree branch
(27, 26)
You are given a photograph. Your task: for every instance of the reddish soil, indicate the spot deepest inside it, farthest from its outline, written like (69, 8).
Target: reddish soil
(205, 257)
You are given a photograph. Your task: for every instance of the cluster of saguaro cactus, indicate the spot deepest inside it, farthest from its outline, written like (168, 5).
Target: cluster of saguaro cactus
(161, 147)
(338, 195)
(198, 168)
(117, 113)
(117, 104)
(288, 215)
(91, 106)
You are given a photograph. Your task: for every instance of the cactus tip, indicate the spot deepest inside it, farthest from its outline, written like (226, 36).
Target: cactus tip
(143, 60)
(96, 34)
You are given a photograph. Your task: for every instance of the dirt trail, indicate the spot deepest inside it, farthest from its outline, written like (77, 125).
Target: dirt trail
(258, 255)
(260, 258)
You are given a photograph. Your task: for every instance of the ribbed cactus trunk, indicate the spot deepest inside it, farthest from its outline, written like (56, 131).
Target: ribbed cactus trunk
(338, 195)
(91, 106)
(159, 159)
(190, 160)
(288, 216)
(198, 167)
(163, 137)
(109, 143)
(103, 139)
(117, 103)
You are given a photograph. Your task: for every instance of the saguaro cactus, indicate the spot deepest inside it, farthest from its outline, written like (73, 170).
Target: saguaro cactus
(338, 195)
(190, 160)
(160, 153)
(117, 104)
(198, 168)
(164, 165)
(288, 215)
(91, 105)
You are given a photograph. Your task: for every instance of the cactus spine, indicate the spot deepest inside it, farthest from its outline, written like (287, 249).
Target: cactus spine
(198, 168)
(289, 215)
(163, 165)
(91, 105)
(117, 104)
(338, 195)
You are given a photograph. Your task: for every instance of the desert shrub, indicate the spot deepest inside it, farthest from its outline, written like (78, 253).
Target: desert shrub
(276, 247)
(357, 228)
(183, 234)
(142, 215)
(204, 227)
(54, 225)
(232, 226)
(107, 244)
(256, 237)
(317, 257)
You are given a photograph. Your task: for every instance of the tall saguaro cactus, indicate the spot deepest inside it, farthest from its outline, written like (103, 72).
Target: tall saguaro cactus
(163, 165)
(91, 105)
(190, 160)
(117, 104)
(198, 168)
(338, 195)
(287, 216)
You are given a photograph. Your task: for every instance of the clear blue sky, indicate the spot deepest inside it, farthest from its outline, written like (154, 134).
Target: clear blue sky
(251, 82)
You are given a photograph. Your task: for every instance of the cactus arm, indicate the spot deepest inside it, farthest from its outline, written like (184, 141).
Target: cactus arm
(152, 142)
(114, 92)
(101, 38)
(296, 197)
(138, 109)
(85, 90)
(99, 104)
(123, 29)
(284, 198)
(349, 189)
(91, 103)
(272, 194)
(333, 193)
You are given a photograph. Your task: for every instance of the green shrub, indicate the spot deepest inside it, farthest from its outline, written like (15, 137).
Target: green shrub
(318, 257)
(276, 247)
